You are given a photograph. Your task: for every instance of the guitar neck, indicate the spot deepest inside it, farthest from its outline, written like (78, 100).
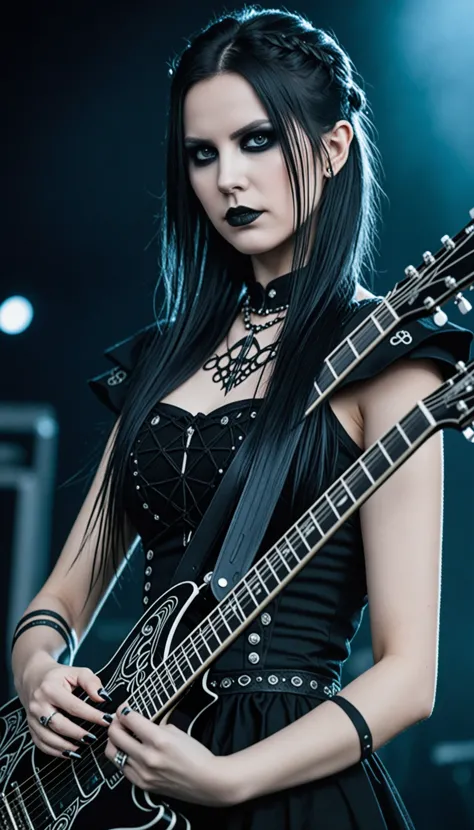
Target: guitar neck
(281, 563)
(354, 348)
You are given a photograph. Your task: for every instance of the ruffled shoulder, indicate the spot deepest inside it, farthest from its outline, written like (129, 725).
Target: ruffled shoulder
(111, 387)
(413, 340)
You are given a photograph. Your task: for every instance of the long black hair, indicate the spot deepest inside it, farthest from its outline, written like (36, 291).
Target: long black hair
(305, 79)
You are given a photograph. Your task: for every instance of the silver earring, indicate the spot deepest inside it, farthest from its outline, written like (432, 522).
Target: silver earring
(329, 172)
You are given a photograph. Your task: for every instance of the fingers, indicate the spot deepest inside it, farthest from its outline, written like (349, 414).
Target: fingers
(48, 741)
(51, 696)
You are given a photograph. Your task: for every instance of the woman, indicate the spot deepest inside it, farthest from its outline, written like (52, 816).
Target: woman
(270, 214)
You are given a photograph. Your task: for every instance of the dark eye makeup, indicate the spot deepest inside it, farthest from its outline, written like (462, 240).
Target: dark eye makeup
(195, 152)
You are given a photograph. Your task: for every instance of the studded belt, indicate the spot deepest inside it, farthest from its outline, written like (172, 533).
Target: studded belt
(272, 680)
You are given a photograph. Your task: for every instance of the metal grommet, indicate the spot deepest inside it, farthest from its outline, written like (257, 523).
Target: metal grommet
(253, 657)
(259, 679)
(226, 682)
(327, 691)
(155, 420)
(213, 683)
(254, 639)
(273, 679)
(313, 684)
(244, 680)
(146, 600)
(224, 420)
(296, 681)
(265, 618)
(147, 586)
(149, 555)
(148, 571)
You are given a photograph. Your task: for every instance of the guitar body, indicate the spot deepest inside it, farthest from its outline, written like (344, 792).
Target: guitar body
(46, 793)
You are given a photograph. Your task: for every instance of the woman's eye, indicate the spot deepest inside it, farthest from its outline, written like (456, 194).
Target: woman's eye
(257, 138)
(261, 141)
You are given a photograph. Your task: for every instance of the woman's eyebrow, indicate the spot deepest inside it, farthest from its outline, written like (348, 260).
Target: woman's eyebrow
(190, 140)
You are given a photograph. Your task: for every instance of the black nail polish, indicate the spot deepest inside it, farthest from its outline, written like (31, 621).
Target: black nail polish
(88, 738)
(125, 710)
(68, 753)
(104, 694)
(108, 718)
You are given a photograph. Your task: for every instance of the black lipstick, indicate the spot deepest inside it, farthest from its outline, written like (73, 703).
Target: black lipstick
(236, 217)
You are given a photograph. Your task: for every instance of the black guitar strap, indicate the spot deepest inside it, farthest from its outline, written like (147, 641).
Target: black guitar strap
(247, 528)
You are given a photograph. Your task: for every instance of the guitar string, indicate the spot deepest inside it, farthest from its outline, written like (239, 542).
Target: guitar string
(91, 764)
(330, 512)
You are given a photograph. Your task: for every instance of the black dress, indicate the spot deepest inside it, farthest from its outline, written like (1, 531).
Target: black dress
(306, 632)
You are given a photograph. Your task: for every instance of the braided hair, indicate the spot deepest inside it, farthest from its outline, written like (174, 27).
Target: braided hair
(304, 79)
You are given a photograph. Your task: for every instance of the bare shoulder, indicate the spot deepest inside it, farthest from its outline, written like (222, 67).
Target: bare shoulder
(387, 397)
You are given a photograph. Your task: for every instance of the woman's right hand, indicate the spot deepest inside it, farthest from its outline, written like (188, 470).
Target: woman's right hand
(46, 687)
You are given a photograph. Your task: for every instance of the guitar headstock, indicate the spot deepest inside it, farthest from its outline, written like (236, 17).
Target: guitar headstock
(452, 404)
(437, 279)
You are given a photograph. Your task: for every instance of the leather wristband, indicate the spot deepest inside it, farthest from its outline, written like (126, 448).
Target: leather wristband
(48, 613)
(50, 624)
(365, 735)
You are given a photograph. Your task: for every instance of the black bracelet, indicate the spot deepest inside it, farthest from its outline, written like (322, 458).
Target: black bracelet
(50, 624)
(56, 616)
(365, 735)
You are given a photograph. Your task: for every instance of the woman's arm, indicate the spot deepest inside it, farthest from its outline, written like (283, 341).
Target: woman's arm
(401, 526)
(67, 588)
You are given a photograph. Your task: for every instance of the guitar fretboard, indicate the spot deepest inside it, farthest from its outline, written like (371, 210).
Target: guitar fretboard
(281, 563)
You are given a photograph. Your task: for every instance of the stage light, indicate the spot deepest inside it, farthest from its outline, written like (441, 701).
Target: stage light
(16, 314)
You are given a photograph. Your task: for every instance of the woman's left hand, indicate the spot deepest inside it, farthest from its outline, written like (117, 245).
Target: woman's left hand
(164, 759)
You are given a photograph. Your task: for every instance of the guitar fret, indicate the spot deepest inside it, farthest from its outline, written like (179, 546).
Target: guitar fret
(403, 434)
(177, 664)
(237, 604)
(426, 412)
(185, 655)
(348, 490)
(261, 580)
(249, 591)
(333, 372)
(224, 619)
(379, 444)
(303, 537)
(150, 698)
(282, 558)
(351, 346)
(169, 676)
(318, 390)
(376, 322)
(367, 471)
(205, 641)
(316, 523)
(272, 569)
(332, 506)
(209, 619)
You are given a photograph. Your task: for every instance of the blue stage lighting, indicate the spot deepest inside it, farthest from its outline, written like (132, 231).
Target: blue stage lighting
(16, 314)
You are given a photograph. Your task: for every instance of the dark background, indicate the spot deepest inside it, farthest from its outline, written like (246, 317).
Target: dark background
(84, 97)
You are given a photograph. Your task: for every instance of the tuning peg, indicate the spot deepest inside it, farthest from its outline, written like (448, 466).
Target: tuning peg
(448, 242)
(440, 318)
(428, 258)
(463, 305)
(471, 213)
(410, 271)
(469, 433)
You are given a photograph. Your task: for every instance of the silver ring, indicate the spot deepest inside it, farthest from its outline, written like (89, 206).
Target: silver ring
(46, 719)
(120, 759)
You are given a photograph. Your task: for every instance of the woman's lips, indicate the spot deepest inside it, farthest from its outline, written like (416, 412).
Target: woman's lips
(243, 218)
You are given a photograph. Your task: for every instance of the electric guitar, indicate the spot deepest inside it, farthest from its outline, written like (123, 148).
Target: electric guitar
(153, 669)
